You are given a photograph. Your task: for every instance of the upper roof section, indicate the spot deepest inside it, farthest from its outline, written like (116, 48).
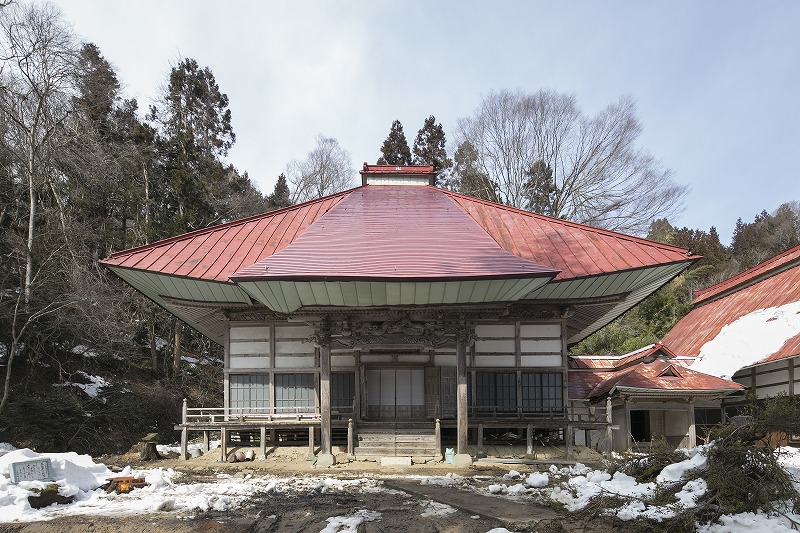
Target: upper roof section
(787, 259)
(394, 232)
(397, 175)
(647, 353)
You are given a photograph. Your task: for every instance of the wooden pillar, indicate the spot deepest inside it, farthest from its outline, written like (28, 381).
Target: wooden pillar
(263, 442)
(325, 397)
(350, 439)
(609, 435)
(223, 444)
(311, 441)
(529, 439)
(184, 431)
(569, 441)
(461, 393)
(480, 438)
(627, 426)
(205, 441)
(692, 427)
(437, 433)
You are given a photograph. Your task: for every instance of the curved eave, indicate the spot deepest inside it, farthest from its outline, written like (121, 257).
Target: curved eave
(632, 286)
(672, 393)
(286, 296)
(165, 289)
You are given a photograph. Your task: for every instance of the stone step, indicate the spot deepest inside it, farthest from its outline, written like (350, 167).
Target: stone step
(390, 452)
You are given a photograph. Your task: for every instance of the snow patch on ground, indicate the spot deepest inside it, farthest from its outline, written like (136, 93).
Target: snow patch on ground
(350, 523)
(92, 389)
(748, 340)
(433, 508)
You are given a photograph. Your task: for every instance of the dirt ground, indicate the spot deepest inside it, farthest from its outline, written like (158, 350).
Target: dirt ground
(402, 509)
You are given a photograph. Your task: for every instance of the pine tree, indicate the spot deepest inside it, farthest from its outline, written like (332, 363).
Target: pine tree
(280, 196)
(395, 148)
(429, 146)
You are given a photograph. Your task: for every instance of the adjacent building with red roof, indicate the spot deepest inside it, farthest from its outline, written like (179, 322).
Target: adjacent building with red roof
(747, 328)
(397, 302)
(653, 394)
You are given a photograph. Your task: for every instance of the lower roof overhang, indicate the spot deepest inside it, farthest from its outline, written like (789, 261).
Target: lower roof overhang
(641, 392)
(289, 295)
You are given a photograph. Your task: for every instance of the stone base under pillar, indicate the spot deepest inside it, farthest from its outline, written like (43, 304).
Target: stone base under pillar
(325, 460)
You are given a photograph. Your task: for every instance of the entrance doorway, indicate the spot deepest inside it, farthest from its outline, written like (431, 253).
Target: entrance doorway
(394, 393)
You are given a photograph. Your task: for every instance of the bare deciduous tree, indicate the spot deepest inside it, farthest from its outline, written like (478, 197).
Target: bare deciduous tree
(39, 59)
(326, 170)
(543, 153)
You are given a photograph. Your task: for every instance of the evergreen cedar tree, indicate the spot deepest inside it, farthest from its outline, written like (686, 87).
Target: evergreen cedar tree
(430, 146)
(395, 148)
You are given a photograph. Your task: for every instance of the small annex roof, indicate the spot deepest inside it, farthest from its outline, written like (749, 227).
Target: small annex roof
(651, 371)
(398, 241)
(748, 319)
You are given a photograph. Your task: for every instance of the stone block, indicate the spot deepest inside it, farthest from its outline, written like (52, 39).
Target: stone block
(396, 461)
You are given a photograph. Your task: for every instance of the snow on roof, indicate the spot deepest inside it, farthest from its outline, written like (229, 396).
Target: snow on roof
(749, 340)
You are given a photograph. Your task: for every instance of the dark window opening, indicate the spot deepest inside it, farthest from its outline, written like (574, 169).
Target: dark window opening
(343, 391)
(708, 416)
(542, 391)
(496, 391)
(640, 426)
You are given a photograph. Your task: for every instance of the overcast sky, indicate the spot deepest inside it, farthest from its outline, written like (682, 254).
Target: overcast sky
(716, 82)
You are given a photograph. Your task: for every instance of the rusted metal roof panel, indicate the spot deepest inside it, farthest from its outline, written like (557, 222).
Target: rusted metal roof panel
(575, 249)
(215, 253)
(705, 321)
(394, 232)
(775, 264)
(655, 376)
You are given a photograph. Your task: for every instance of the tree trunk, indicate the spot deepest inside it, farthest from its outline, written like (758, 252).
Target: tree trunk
(31, 221)
(176, 360)
(153, 351)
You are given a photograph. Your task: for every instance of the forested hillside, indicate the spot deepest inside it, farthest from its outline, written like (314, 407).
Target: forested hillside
(89, 365)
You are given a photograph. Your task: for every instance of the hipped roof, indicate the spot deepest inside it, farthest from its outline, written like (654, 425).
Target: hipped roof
(650, 371)
(420, 236)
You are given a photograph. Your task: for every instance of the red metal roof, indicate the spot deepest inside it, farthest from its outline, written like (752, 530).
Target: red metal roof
(394, 232)
(618, 362)
(215, 253)
(657, 377)
(773, 283)
(780, 261)
(574, 249)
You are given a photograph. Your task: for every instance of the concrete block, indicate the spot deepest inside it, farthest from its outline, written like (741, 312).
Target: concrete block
(396, 461)
(462, 460)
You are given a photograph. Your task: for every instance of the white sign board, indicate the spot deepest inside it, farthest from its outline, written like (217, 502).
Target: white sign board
(33, 470)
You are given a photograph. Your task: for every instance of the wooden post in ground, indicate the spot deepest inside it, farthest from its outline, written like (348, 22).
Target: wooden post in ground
(311, 441)
(350, 439)
(437, 434)
(569, 440)
(609, 435)
(263, 443)
(692, 426)
(480, 438)
(223, 444)
(205, 441)
(529, 440)
(185, 431)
